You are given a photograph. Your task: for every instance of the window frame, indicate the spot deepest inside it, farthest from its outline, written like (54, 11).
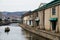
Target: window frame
(53, 10)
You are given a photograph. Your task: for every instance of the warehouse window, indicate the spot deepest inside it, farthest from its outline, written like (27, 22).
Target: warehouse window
(37, 14)
(30, 22)
(53, 11)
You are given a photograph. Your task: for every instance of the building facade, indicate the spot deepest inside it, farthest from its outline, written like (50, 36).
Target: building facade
(46, 17)
(36, 20)
(50, 16)
(27, 19)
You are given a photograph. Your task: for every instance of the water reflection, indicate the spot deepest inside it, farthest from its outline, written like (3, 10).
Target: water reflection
(15, 33)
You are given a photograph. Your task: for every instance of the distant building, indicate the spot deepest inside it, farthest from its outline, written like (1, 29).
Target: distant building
(0, 15)
(27, 19)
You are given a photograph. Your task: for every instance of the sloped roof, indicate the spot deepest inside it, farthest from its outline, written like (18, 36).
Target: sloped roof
(53, 3)
(27, 13)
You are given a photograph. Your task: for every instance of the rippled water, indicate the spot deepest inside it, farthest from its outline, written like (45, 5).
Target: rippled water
(15, 33)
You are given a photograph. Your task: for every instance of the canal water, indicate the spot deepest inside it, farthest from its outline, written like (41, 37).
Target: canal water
(15, 33)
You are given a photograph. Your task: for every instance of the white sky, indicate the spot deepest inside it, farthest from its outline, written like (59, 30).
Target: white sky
(20, 5)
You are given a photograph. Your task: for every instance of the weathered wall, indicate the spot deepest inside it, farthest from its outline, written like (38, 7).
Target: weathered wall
(47, 17)
(40, 13)
(59, 19)
(55, 16)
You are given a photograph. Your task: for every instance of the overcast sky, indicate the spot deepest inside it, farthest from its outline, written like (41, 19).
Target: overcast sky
(20, 5)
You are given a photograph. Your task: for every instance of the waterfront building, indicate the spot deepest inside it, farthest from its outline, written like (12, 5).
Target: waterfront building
(27, 18)
(46, 17)
(36, 20)
(50, 16)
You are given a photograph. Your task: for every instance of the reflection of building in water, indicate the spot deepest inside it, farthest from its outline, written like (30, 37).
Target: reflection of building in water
(32, 36)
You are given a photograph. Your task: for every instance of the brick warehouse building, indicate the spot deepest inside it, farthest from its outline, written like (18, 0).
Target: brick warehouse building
(48, 16)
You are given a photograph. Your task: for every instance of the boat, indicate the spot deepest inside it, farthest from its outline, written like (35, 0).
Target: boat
(7, 29)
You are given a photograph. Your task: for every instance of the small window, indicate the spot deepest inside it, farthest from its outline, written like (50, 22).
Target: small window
(53, 11)
(30, 22)
(37, 14)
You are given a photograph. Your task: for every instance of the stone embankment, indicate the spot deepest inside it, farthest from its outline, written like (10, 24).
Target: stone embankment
(43, 33)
